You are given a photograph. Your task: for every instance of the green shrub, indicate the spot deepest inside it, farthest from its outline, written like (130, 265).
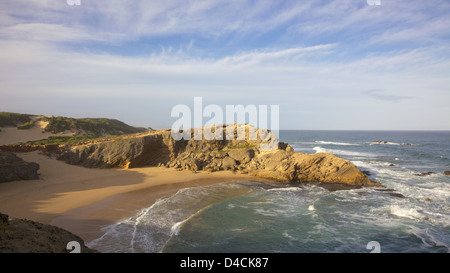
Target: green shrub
(59, 124)
(60, 140)
(13, 119)
(102, 126)
(26, 125)
(92, 126)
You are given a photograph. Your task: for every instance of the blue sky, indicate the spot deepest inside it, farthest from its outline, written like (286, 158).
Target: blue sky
(327, 64)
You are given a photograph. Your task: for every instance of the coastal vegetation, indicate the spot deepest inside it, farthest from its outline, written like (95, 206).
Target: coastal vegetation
(61, 140)
(13, 119)
(93, 127)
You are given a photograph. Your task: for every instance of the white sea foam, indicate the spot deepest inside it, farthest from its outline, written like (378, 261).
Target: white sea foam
(311, 208)
(372, 164)
(336, 143)
(410, 213)
(384, 143)
(319, 149)
(268, 212)
(391, 143)
(382, 169)
(175, 229)
(290, 237)
(287, 189)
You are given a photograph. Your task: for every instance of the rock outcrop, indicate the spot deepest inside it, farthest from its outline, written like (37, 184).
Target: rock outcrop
(424, 173)
(446, 172)
(14, 168)
(159, 148)
(26, 236)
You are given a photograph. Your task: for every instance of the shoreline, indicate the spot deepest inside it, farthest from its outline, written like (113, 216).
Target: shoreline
(83, 200)
(84, 221)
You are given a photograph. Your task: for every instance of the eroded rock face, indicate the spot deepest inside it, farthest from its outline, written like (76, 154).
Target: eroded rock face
(245, 155)
(320, 167)
(14, 168)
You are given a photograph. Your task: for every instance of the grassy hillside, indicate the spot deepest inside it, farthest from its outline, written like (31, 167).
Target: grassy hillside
(13, 119)
(83, 126)
(90, 126)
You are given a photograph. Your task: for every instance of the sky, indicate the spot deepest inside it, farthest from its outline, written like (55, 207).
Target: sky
(328, 65)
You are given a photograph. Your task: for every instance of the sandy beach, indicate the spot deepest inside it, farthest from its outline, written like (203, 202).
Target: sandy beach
(83, 200)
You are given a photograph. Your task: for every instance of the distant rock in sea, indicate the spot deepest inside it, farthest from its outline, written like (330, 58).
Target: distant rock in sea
(14, 168)
(447, 173)
(424, 174)
(391, 143)
(379, 142)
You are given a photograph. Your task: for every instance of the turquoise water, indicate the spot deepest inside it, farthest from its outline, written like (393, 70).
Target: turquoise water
(249, 216)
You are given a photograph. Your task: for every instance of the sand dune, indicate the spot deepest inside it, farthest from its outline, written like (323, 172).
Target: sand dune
(10, 135)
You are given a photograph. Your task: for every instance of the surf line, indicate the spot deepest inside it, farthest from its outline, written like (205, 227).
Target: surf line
(192, 263)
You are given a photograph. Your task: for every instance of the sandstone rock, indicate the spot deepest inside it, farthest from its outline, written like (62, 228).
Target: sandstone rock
(270, 161)
(242, 155)
(329, 168)
(14, 168)
(228, 163)
(125, 153)
(159, 148)
(286, 147)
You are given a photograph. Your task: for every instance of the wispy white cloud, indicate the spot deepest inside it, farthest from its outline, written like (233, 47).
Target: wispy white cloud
(52, 33)
(311, 57)
(383, 95)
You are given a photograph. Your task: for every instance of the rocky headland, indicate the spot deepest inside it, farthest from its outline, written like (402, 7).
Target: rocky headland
(159, 148)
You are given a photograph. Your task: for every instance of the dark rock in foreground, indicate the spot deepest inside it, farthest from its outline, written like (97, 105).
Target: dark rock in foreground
(26, 236)
(14, 168)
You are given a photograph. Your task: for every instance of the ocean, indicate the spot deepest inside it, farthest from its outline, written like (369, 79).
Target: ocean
(250, 216)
